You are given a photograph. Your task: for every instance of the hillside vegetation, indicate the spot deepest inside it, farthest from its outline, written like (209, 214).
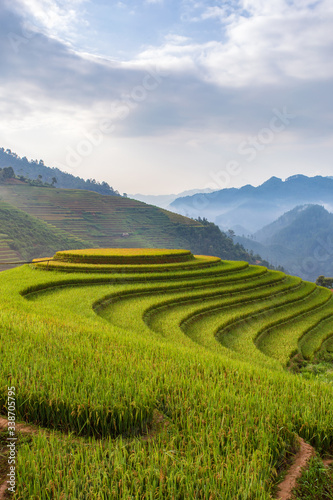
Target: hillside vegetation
(34, 169)
(167, 383)
(114, 221)
(301, 240)
(26, 237)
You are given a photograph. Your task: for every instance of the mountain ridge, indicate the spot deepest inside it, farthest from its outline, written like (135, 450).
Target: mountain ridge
(34, 168)
(300, 240)
(254, 207)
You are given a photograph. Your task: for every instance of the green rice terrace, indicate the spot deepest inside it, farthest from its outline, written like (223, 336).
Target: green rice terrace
(156, 374)
(38, 221)
(99, 220)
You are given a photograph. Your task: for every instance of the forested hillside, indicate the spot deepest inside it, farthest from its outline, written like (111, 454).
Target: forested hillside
(301, 240)
(35, 169)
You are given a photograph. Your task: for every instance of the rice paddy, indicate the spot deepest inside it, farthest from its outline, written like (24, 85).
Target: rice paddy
(101, 221)
(159, 374)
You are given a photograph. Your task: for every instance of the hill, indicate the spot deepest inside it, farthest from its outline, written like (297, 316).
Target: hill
(114, 221)
(34, 168)
(255, 207)
(171, 383)
(301, 240)
(26, 237)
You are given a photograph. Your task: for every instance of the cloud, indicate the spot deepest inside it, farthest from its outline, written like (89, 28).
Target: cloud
(60, 19)
(273, 55)
(262, 43)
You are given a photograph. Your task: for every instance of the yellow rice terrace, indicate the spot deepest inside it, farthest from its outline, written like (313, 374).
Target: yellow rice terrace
(124, 256)
(153, 373)
(115, 260)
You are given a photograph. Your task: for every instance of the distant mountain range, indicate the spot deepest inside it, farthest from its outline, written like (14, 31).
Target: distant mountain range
(301, 241)
(248, 209)
(165, 200)
(34, 168)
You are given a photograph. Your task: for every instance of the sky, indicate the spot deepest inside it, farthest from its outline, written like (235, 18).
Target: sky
(161, 96)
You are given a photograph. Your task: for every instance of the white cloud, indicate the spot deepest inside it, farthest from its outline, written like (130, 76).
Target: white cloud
(176, 39)
(55, 18)
(264, 42)
(211, 95)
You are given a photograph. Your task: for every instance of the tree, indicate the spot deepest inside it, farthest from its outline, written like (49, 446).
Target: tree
(54, 181)
(320, 280)
(8, 173)
(326, 282)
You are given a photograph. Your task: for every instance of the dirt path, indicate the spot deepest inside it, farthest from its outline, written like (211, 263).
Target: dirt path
(301, 460)
(24, 429)
(285, 488)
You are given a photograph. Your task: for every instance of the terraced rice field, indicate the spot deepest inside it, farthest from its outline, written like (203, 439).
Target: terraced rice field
(7, 254)
(162, 378)
(102, 220)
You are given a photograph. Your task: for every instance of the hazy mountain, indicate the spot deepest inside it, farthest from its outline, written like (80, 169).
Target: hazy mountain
(34, 168)
(269, 234)
(254, 207)
(301, 240)
(164, 200)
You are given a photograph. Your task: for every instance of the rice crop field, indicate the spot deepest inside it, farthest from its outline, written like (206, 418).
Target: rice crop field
(7, 254)
(101, 220)
(162, 377)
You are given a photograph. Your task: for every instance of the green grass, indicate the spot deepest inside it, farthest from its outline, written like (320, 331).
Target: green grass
(98, 384)
(316, 482)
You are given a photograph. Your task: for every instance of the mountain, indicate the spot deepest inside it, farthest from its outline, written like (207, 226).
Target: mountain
(254, 207)
(112, 221)
(292, 219)
(301, 240)
(164, 200)
(34, 168)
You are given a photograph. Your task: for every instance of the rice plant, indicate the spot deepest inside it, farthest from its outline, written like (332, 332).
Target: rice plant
(150, 384)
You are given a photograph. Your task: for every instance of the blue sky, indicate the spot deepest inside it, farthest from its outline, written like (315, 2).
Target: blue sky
(162, 96)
